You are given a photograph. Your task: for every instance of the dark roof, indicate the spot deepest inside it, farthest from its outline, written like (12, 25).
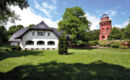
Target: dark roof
(104, 15)
(18, 33)
(56, 31)
(41, 26)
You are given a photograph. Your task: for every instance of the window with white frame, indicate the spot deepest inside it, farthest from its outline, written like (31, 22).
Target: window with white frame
(41, 33)
(51, 43)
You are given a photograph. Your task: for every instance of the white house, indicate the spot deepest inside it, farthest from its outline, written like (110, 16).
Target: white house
(37, 37)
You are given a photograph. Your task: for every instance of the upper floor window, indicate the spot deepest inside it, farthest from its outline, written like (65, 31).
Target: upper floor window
(48, 33)
(41, 33)
(33, 33)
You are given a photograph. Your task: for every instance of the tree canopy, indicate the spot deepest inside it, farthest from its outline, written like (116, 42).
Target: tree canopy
(127, 31)
(6, 14)
(3, 35)
(74, 23)
(116, 34)
(14, 28)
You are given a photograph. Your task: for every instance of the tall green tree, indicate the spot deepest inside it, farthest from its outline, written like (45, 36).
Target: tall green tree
(127, 31)
(116, 34)
(7, 14)
(74, 23)
(3, 35)
(14, 28)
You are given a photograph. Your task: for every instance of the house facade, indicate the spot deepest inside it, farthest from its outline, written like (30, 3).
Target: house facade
(38, 37)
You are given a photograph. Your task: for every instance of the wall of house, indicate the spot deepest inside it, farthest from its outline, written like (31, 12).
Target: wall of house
(29, 36)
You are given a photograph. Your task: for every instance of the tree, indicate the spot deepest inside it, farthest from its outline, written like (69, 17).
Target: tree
(127, 31)
(116, 34)
(74, 23)
(31, 25)
(6, 14)
(14, 28)
(3, 35)
(92, 35)
(62, 46)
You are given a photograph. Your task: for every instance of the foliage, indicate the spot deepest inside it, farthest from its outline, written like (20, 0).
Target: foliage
(115, 45)
(14, 28)
(93, 43)
(127, 31)
(16, 48)
(74, 23)
(6, 13)
(31, 25)
(123, 47)
(62, 46)
(92, 35)
(3, 35)
(116, 34)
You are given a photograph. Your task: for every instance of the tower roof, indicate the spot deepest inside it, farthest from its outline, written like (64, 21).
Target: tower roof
(104, 15)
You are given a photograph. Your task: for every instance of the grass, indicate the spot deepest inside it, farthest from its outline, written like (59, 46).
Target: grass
(81, 64)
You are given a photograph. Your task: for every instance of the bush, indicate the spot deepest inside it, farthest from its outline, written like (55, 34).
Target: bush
(16, 48)
(93, 43)
(115, 45)
(123, 47)
(62, 47)
(6, 49)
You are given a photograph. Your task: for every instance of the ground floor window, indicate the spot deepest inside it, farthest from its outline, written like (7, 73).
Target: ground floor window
(51, 43)
(29, 42)
(40, 42)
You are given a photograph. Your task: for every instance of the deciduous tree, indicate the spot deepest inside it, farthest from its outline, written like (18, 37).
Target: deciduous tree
(74, 23)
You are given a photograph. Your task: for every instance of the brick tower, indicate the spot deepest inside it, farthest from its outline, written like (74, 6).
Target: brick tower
(105, 27)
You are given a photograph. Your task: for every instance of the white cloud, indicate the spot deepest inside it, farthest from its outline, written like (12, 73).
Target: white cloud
(110, 12)
(121, 25)
(46, 8)
(54, 1)
(94, 21)
(28, 17)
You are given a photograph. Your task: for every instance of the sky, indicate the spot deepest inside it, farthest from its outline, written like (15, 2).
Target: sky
(51, 11)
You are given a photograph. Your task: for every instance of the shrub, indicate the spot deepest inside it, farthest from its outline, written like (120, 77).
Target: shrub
(62, 47)
(93, 43)
(6, 49)
(16, 48)
(123, 47)
(115, 45)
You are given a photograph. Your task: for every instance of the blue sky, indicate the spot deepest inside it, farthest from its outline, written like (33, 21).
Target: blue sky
(51, 11)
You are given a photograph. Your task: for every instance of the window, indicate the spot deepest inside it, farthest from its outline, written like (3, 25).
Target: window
(41, 33)
(48, 34)
(107, 29)
(40, 42)
(33, 33)
(29, 42)
(51, 43)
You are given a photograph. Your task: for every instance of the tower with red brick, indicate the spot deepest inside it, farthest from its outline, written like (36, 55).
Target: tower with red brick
(105, 27)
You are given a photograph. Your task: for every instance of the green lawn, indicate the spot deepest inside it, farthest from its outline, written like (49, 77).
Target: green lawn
(80, 64)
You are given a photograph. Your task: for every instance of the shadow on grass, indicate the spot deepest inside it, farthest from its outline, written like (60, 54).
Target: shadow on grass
(8, 54)
(60, 71)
